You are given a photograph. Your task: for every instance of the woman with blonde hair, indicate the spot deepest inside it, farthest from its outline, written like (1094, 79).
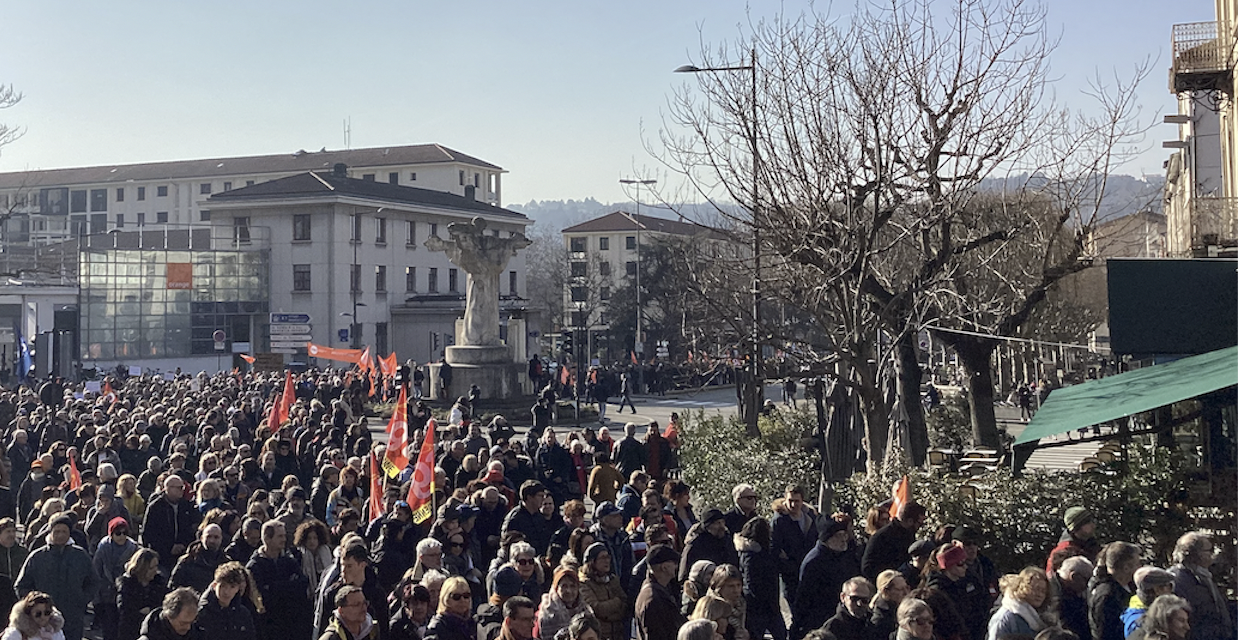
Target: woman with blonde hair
(140, 590)
(35, 617)
(891, 589)
(1024, 609)
(454, 619)
(127, 490)
(717, 611)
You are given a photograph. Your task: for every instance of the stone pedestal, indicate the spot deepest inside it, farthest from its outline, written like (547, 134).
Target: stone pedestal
(489, 367)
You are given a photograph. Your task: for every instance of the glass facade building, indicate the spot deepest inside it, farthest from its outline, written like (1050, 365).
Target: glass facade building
(163, 293)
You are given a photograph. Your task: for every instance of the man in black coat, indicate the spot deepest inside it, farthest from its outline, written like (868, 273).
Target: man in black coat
(745, 509)
(851, 620)
(284, 589)
(707, 540)
(657, 611)
(793, 535)
(888, 548)
(831, 563)
(527, 518)
(170, 522)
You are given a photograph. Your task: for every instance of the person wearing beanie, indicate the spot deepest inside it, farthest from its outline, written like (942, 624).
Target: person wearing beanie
(1150, 583)
(111, 554)
(969, 597)
(62, 570)
(831, 563)
(978, 564)
(657, 613)
(603, 591)
(919, 554)
(708, 540)
(887, 549)
(560, 604)
(1079, 532)
(489, 617)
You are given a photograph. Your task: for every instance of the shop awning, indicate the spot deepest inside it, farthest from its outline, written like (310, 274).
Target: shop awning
(1126, 394)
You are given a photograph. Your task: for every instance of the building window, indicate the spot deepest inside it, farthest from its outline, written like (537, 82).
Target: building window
(578, 318)
(393, 177)
(120, 194)
(453, 280)
(511, 283)
(434, 229)
(380, 278)
(410, 233)
(380, 337)
(577, 245)
(354, 278)
(604, 243)
(476, 180)
(249, 183)
(462, 177)
(301, 277)
(204, 215)
(368, 177)
(604, 269)
(412, 177)
(580, 269)
(631, 268)
(580, 294)
(161, 217)
(380, 231)
(240, 228)
(98, 223)
(432, 280)
(161, 191)
(204, 188)
(141, 193)
(301, 227)
(356, 227)
(227, 186)
(120, 221)
(630, 241)
(77, 201)
(98, 199)
(604, 293)
(141, 219)
(410, 279)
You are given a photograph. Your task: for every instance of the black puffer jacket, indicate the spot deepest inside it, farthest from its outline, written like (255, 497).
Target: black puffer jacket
(760, 570)
(233, 622)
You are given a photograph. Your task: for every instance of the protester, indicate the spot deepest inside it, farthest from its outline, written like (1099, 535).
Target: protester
(35, 617)
(1168, 618)
(1210, 613)
(174, 620)
(453, 620)
(602, 590)
(759, 569)
(282, 586)
(1111, 589)
(110, 559)
(560, 604)
(915, 620)
(657, 613)
(222, 610)
(825, 569)
(351, 620)
(793, 535)
(1072, 580)
(891, 591)
(62, 570)
(1023, 609)
(141, 590)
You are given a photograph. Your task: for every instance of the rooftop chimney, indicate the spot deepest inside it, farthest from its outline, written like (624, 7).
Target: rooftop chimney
(340, 170)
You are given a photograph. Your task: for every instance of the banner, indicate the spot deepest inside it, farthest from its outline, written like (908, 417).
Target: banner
(421, 490)
(331, 353)
(396, 459)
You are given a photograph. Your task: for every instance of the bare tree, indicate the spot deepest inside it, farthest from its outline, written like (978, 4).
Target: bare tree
(8, 98)
(874, 135)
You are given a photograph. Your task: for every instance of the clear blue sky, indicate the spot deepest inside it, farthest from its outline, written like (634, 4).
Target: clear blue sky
(559, 93)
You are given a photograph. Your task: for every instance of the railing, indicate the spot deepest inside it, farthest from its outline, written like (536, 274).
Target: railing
(1214, 222)
(172, 238)
(1200, 46)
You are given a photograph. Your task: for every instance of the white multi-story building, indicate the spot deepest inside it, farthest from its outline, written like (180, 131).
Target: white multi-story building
(53, 205)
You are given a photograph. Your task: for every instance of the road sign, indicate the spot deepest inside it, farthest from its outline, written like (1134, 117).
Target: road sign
(219, 335)
(289, 329)
(282, 350)
(288, 345)
(300, 340)
(290, 318)
(240, 347)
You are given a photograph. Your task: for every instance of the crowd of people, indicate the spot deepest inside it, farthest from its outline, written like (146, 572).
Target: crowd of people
(170, 509)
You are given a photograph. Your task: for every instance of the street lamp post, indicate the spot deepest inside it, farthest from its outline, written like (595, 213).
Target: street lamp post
(754, 397)
(637, 344)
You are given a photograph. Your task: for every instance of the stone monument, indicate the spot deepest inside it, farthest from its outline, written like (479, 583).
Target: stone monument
(482, 358)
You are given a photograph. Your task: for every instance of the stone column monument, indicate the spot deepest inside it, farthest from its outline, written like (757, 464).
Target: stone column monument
(482, 359)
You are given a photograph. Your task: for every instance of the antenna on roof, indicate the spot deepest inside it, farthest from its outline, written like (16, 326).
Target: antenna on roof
(348, 132)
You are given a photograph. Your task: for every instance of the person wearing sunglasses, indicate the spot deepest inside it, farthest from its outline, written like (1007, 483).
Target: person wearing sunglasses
(915, 620)
(34, 616)
(454, 620)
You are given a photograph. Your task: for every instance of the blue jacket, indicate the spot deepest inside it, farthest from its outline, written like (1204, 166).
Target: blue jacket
(1133, 615)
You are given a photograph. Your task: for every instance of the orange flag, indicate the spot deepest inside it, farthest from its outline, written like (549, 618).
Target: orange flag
(274, 413)
(389, 365)
(75, 477)
(421, 490)
(633, 354)
(373, 380)
(366, 362)
(397, 438)
(902, 495)
(331, 353)
(290, 398)
(564, 374)
(248, 358)
(376, 488)
(107, 389)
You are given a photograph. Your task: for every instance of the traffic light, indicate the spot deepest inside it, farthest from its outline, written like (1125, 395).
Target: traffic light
(567, 344)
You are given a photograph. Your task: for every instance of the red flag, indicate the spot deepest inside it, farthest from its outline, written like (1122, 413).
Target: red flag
(290, 398)
(107, 389)
(564, 374)
(397, 437)
(901, 496)
(274, 414)
(373, 380)
(633, 353)
(389, 365)
(248, 358)
(376, 488)
(75, 477)
(421, 491)
(366, 362)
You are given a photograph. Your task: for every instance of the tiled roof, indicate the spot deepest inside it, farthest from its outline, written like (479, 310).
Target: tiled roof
(242, 166)
(623, 221)
(318, 184)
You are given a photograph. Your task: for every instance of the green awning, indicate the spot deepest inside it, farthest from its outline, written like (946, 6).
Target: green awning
(1126, 394)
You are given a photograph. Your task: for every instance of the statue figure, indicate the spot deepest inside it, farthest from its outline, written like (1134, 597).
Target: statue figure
(484, 258)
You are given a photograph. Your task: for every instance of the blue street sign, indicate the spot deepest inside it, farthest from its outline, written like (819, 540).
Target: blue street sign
(290, 318)
(343, 335)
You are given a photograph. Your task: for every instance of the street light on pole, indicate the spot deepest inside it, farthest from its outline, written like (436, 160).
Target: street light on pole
(754, 399)
(637, 344)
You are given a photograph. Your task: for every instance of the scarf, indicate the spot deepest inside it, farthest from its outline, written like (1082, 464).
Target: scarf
(1025, 611)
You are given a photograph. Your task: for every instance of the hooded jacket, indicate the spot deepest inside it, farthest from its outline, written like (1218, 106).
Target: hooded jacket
(1133, 615)
(608, 601)
(760, 570)
(27, 630)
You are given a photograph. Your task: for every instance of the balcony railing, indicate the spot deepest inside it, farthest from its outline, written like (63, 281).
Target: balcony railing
(1214, 222)
(1202, 57)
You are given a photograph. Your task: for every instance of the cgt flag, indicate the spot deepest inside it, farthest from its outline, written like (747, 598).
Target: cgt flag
(396, 460)
(421, 490)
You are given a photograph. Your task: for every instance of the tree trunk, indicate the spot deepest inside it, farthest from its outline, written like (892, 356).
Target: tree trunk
(909, 376)
(876, 416)
(976, 356)
(749, 407)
